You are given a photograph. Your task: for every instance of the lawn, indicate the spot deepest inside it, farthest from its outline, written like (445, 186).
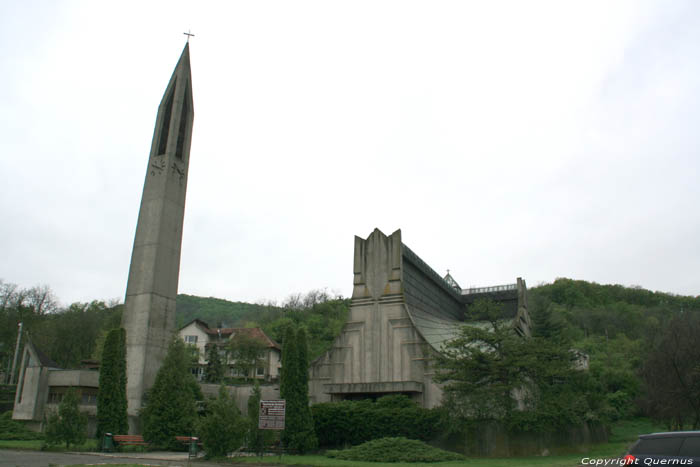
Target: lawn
(623, 434)
(36, 445)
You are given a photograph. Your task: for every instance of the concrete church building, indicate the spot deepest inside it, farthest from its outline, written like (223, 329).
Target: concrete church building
(401, 313)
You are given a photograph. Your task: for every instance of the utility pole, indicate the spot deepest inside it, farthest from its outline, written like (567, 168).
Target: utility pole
(14, 362)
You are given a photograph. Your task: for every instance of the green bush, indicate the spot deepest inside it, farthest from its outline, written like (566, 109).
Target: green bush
(223, 429)
(69, 424)
(354, 422)
(395, 450)
(11, 430)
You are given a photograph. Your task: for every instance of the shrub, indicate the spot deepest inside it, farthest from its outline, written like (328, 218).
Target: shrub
(69, 424)
(395, 450)
(14, 430)
(354, 422)
(223, 429)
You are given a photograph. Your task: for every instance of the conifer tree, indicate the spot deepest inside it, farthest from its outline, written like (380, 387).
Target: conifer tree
(171, 408)
(215, 368)
(111, 395)
(294, 388)
(257, 438)
(289, 360)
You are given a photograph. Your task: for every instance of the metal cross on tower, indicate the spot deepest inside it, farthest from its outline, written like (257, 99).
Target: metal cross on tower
(188, 35)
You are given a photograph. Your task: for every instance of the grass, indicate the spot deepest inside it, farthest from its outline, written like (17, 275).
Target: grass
(623, 434)
(39, 445)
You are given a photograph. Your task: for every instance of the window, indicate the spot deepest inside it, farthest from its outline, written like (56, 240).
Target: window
(667, 446)
(89, 399)
(261, 371)
(55, 397)
(165, 123)
(191, 339)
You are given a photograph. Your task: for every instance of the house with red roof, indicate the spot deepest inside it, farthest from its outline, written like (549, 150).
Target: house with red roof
(201, 337)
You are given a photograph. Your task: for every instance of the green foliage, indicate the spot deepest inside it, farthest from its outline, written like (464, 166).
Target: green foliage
(223, 428)
(395, 450)
(214, 372)
(215, 310)
(246, 353)
(527, 384)
(354, 422)
(14, 430)
(111, 395)
(69, 424)
(299, 433)
(672, 374)
(51, 328)
(171, 404)
(256, 439)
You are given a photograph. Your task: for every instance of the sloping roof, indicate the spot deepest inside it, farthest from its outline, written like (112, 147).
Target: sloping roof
(255, 333)
(44, 360)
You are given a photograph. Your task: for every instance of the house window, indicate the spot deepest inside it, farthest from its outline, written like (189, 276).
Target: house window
(89, 399)
(191, 339)
(261, 371)
(55, 397)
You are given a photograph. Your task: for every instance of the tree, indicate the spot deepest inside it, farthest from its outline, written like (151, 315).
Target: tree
(215, 368)
(672, 373)
(111, 395)
(246, 351)
(223, 428)
(257, 439)
(171, 408)
(493, 374)
(69, 425)
(299, 432)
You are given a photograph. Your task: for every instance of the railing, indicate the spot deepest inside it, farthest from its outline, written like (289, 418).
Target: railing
(495, 288)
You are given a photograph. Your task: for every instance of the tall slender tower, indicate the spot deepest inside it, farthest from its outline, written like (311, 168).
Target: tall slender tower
(149, 316)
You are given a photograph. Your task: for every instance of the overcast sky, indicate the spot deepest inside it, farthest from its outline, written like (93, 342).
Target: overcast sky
(505, 139)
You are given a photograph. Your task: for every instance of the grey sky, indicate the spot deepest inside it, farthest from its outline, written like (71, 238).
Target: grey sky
(505, 139)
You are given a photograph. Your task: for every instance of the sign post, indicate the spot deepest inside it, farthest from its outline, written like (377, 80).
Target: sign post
(271, 415)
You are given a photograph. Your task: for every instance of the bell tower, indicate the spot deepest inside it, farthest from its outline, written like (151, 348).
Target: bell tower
(149, 315)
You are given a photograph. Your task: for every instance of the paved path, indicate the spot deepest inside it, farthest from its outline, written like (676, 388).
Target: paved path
(11, 458)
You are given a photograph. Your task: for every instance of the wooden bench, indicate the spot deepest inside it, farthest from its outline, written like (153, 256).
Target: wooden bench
(132, 440)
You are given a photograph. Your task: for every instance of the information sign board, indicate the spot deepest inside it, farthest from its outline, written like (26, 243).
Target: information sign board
(271, 415)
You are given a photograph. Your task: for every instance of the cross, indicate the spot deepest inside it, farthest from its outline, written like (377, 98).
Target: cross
(188, 35)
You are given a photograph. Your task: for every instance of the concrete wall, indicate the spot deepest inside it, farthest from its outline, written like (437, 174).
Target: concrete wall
(242, 393)
(425, 290)
(149, 315)
(378, 351)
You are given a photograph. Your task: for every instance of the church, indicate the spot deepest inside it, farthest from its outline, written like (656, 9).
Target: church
(402, 312)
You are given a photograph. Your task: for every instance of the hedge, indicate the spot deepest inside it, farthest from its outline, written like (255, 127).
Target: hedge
(355, 422)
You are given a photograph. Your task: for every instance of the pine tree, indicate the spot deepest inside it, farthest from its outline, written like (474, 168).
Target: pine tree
(111, 395)
(171, 408)
(69, 425)
(215, 368)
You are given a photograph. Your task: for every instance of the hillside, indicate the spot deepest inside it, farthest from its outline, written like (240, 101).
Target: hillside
(216, 312)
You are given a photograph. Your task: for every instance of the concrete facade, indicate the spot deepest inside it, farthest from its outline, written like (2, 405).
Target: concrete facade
(401, 313)
(149, 316)
(42, 385)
